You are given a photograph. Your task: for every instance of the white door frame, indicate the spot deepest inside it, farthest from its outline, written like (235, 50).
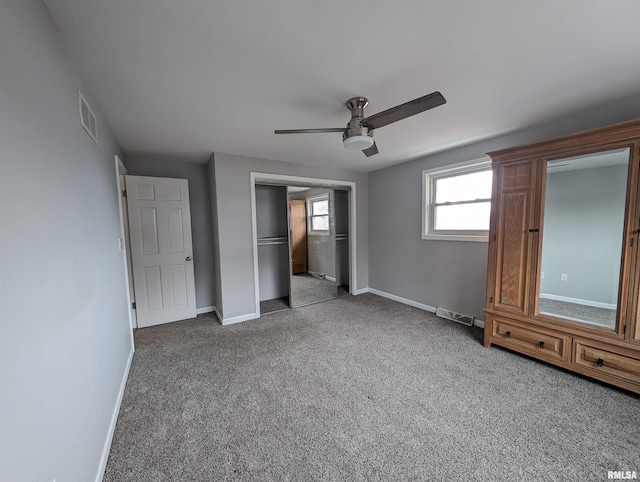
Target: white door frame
(281, 179)
(122, 170)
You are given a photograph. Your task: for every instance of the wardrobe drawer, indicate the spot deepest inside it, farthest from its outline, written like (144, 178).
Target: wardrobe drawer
(602, 361)
(538, 343)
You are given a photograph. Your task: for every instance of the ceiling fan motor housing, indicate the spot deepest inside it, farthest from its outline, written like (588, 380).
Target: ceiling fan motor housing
(356, 136)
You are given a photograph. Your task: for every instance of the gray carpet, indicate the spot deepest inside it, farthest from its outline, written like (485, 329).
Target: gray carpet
(359, 388)
(598, 316)
(276, 304)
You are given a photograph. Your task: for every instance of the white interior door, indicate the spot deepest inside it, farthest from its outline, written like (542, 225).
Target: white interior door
(161, 249)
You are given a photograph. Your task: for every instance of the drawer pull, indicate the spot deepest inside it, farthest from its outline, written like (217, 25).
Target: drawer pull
(507, 334)
(600, 362)
(541, 345)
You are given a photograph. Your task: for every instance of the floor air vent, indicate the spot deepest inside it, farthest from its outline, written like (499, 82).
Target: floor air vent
(453, 316)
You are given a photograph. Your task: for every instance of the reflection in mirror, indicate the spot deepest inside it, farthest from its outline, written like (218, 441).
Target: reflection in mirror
(582, 237)
(312, 245)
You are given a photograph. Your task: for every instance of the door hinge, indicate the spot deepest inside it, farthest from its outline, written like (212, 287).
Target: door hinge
(133, 305)
(491, 299)
(624, 330)
(124, 193)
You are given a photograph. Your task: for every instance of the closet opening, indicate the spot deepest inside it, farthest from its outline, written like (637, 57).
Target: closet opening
(303, 249)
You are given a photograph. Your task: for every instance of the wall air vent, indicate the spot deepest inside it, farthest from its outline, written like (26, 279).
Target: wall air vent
(453, 316)
(88, 118)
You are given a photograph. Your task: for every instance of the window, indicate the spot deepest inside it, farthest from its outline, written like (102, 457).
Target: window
(318, 215)
(457, 201)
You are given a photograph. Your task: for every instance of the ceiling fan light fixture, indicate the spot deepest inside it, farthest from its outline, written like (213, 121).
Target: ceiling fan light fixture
(358, 143)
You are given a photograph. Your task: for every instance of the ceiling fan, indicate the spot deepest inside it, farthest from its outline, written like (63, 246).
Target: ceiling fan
(358, 134)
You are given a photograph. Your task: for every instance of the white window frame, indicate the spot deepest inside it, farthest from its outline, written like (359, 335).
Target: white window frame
(310, 201)
(429, 177)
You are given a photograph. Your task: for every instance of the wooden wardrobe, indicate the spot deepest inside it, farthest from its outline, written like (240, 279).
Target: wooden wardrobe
(530, 311)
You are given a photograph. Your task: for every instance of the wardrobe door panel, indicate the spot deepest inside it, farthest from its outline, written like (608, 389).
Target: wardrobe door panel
(514, 212)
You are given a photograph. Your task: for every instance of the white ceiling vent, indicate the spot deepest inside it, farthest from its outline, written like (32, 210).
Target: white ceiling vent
(88, 118)
(453, 316)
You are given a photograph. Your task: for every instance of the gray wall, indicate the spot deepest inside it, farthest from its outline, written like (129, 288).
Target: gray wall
(232, 198)
(583, 222)
(342, 243)
(199, 201)
(271, 211)
(449, 273)
(273, 259)
(273, 271)
(341, 211)
(65, 337)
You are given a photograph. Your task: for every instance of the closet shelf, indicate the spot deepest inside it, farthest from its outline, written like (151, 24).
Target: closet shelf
(273, 240)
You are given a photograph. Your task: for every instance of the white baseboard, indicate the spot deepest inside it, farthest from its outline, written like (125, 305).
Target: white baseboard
(578, 301)
(400, 299)
(330, 278)
(360, 291)
(215, 310)
(476, 322)
(205, 309)
(238, 319)
(114, 419)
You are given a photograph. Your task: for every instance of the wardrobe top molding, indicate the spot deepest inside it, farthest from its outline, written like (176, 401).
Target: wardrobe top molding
(613, 136)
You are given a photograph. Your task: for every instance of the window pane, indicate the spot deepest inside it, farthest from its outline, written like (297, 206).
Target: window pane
(466, 187)
(320, 223)
(320, 207)
(463, 216)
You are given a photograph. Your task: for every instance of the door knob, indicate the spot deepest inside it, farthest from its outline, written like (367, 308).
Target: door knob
(188, 258)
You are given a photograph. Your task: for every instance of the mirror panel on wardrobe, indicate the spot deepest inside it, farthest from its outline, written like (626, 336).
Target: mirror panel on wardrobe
(584, 211)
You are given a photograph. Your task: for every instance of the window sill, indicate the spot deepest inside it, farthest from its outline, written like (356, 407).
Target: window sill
(455, 237)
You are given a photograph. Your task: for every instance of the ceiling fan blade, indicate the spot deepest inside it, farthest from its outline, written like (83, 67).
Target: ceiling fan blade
(371, 151)
(403, 111)
(309, 131)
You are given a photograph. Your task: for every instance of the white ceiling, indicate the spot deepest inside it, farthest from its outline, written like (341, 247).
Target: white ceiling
(191, 77)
